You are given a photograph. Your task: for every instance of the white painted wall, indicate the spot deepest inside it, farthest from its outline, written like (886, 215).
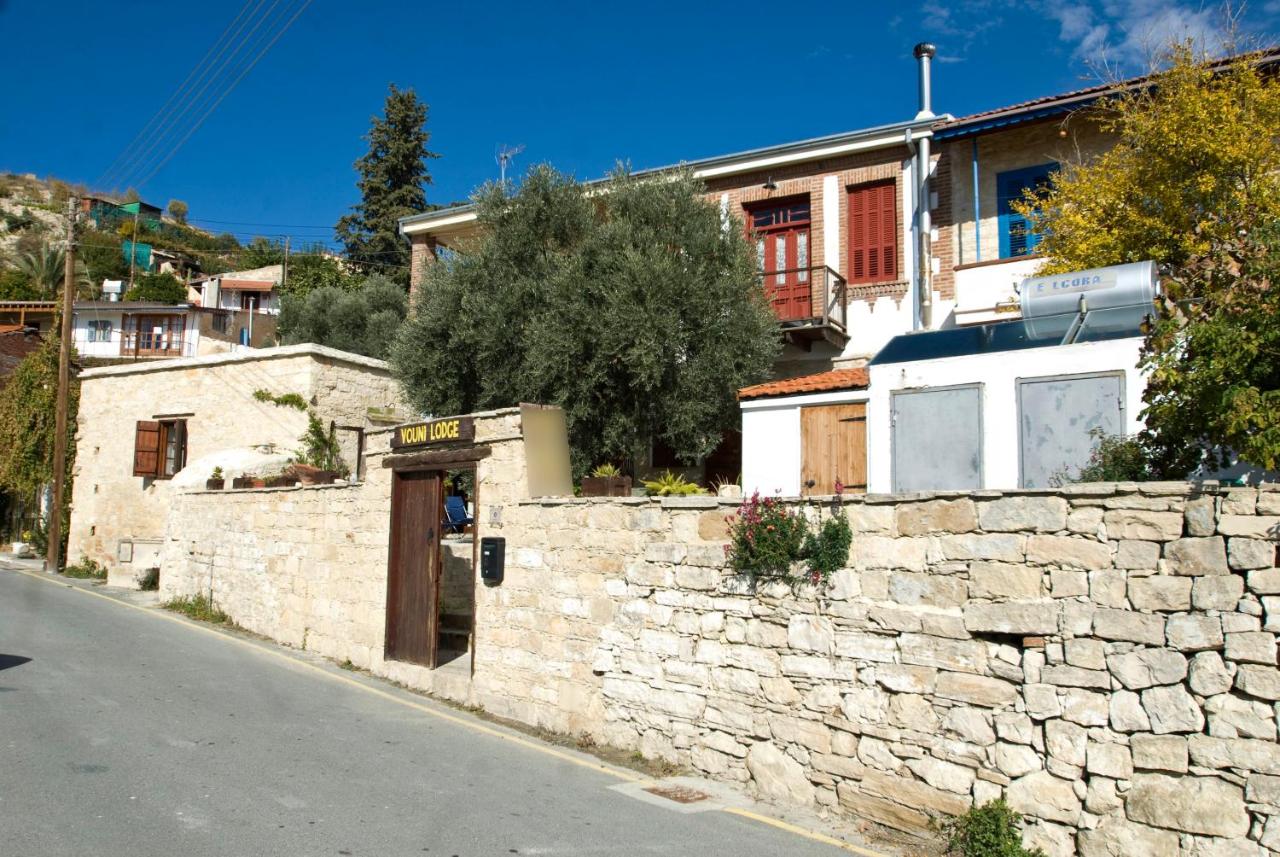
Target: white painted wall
(771, 440)
(111, 347)
(998, 374)
(978, 290)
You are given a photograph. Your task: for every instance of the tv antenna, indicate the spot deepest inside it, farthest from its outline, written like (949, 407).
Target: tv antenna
(504, 156)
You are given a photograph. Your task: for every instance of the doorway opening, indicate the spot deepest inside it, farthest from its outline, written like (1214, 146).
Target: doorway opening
(457, 579)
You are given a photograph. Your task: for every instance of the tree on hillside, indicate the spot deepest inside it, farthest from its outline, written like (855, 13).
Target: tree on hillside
(27, 411)
(132, 195)
(45, 269)
(633, 307)
(362, 320)
(1193, 183)
(157, 288)
(392, 183)
(178, 210)
(309, 272)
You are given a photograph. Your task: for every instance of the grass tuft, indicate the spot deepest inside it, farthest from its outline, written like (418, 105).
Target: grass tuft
(198, 607)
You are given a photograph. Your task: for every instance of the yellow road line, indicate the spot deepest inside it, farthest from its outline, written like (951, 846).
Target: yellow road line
(547, 750)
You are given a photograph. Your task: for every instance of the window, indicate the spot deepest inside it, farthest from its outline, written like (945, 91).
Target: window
(251, 300)
(873, 232)
(99, 331)
(159, 448)
(1016, 237)
(220, 322)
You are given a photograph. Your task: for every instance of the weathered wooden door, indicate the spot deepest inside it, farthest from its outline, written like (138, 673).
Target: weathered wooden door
(833, 446)
(413, 572)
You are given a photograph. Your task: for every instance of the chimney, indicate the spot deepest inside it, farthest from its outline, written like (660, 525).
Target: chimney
(925, 52)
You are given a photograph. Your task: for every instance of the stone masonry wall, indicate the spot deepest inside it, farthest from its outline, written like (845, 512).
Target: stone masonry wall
(1103, 656)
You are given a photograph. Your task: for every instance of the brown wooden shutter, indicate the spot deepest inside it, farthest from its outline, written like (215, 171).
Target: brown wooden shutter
(873, 233)
(146, 449)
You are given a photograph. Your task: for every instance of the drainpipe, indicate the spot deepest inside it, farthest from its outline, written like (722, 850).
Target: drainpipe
(924, 53)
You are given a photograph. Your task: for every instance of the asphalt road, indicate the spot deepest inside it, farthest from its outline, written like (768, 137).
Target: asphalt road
(125, 733)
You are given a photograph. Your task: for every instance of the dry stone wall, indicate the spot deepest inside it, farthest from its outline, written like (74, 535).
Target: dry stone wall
(1103, 656)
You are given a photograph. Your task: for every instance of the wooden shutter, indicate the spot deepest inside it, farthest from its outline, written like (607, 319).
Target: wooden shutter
(146, 449)
(873, 233)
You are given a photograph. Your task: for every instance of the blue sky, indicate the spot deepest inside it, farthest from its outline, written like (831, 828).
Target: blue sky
(579, 85)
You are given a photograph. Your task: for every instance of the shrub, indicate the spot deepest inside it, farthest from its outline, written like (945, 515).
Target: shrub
(765, 538)
(199, 607)
(157, 288)
(86, 569)
(320, 448)
(670, 485)
(827, 550)
(990, 830)
(1115, 458)
(607, 470)
(150, 581)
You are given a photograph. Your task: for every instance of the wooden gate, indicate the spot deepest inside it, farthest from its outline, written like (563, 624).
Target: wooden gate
(833, 445)
(413, 572)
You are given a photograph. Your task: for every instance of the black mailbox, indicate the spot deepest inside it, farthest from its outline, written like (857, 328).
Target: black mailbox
(493, 558)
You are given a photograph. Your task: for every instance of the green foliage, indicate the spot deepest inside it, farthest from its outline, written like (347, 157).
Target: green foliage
(178, 210)
(313, 271)
(284, 400)
(103, 256)
(216, 474)
(826, 551)
(132, 195)
(16, 285)
(86, 569)
(990, 830)
(1115, 458)
(27, 415)
(320, 447)
(632, 307)
(670, 484)
(363, 321)
(765, 538)
(199, 607)
(393, 178)
(157, 288)
(608, 470)
(45, 269)
(150, 581)
(1193, 183)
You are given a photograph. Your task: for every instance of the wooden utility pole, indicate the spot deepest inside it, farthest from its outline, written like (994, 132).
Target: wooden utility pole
(284, 269)
(53, 556)
(133, 246)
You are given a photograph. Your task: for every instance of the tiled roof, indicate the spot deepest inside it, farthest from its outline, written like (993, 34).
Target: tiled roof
(823, 382)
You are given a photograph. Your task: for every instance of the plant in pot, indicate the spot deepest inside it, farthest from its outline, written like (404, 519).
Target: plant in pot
(215, 482)
(319, 461)
(606, 481)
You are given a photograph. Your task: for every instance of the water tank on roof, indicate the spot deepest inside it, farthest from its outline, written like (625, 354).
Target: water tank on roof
(1134, 284)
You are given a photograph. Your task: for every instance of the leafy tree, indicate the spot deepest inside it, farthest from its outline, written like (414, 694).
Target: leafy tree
(27, 412)
(363, 321)
(132, 195)
(261, 252)
(311, 271)
(393, 178)
(178, 211)
(103, 256)
(16, 285)
(635, 309)
(157, 288)
(1193, 183)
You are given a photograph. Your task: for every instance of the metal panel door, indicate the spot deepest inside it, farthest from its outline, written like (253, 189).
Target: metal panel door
(1057, 419)
(937, 439)
(413, 573)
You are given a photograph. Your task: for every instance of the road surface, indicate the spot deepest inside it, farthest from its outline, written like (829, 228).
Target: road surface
(124, 732)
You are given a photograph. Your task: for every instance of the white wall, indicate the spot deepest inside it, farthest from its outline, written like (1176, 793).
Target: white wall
(998, 374)
(111, 347)
(771, 440)
(978, 290)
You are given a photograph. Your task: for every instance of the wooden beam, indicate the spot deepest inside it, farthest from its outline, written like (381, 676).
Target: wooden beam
(437, 457)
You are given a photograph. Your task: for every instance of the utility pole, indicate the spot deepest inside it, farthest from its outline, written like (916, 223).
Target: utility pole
(53, 556)
(284, 270)
(133, 247)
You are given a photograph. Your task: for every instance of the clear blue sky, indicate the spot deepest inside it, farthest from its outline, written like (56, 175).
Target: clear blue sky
(580, 85)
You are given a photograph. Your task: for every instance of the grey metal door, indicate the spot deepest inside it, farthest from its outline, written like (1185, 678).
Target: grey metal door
(937, 439)
(1058, 419)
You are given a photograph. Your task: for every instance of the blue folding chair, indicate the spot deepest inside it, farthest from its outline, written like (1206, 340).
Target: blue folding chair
(455, 515)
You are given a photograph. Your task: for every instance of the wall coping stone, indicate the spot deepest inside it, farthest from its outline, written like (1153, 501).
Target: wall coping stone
(276, 489)
(306, 349)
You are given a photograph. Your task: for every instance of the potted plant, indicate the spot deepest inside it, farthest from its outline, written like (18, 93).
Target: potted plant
(242, 482)
(215, 482)
(606, 481)
(319, 462)
(668, 484)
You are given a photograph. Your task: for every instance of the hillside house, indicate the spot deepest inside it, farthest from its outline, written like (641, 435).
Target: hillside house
(139, 330)
(256, 290)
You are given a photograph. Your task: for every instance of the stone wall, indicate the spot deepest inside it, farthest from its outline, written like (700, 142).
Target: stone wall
(1103, 656)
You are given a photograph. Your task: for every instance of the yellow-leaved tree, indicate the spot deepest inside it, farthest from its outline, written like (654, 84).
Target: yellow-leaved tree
(1192, 183)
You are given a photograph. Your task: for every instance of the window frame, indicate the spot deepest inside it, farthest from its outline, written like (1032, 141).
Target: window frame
(882, 276)
(171, 432)
(1036, 175)
(99, 330)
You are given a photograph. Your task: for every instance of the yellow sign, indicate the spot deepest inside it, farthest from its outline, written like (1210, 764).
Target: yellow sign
(434, 431)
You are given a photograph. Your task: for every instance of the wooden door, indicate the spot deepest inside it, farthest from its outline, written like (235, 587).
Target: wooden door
(781, 232)
(833, 446)
(413, 572)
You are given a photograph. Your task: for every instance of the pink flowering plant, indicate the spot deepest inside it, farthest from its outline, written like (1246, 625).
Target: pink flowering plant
(766, 539)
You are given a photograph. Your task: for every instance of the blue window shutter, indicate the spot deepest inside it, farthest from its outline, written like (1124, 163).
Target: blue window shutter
(1016, 237)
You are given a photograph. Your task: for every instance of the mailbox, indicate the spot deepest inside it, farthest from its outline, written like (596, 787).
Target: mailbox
(493, 557)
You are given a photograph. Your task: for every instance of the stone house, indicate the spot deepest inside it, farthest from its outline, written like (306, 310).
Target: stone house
(147, 428)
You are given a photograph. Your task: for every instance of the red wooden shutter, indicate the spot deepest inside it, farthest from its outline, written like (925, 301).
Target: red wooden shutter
(873, 233)
(146, 449)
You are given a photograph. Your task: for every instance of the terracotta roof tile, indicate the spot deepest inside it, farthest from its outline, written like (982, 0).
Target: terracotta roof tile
(822, 382)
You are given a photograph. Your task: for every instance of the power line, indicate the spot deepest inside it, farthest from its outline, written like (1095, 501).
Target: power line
(203, 67)
(205, 115)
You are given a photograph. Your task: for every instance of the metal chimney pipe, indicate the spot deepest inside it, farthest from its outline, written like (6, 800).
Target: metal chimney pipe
(925, 52)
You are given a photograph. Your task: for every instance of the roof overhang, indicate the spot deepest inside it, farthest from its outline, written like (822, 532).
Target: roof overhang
(450, 223)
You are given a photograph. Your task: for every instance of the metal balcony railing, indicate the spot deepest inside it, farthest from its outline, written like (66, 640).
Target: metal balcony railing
(808, 297)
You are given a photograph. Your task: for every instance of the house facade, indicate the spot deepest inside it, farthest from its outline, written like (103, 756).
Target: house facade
(138, 330)
(147, 429)
(256, 290)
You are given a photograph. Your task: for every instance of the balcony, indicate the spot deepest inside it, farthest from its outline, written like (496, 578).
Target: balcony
(154, 336)
(812, 304)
